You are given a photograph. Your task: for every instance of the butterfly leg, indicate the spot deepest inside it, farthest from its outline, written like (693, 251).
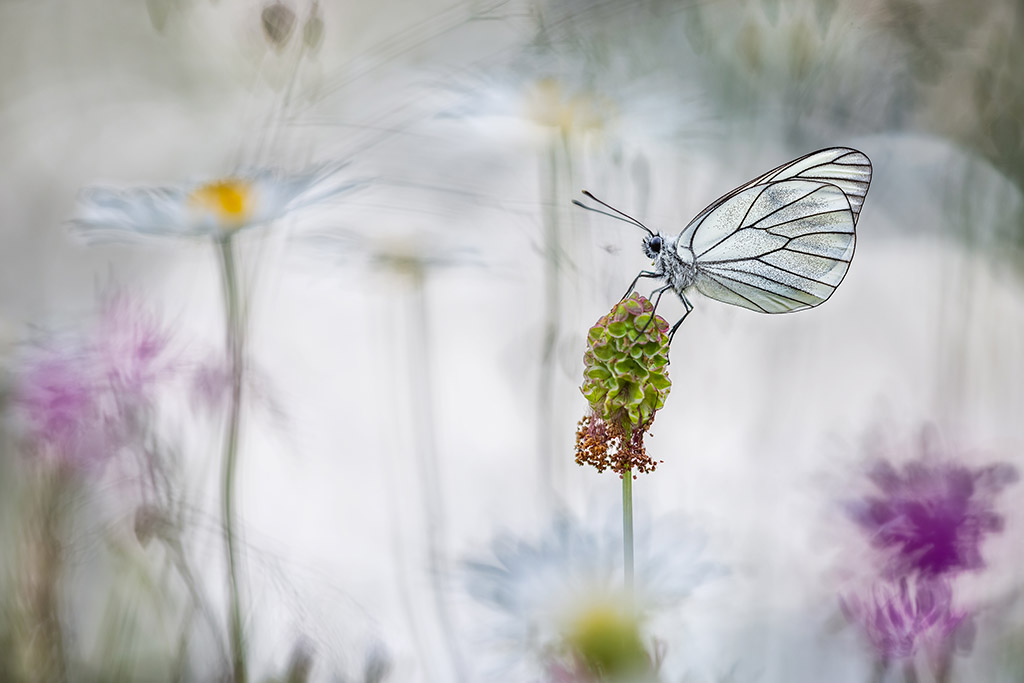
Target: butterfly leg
(643, 273)
(689, 307)
(657, 299)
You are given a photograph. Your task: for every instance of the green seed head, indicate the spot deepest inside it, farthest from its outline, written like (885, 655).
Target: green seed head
(625, 380)
(625, 370)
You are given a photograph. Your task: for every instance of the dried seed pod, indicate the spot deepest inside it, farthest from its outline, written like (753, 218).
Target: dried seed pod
(278, 24)
(313, 30)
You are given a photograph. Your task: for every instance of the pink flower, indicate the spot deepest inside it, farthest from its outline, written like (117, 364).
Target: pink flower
(211, 384)
(59, 398)
(130, 346)
(80, 401)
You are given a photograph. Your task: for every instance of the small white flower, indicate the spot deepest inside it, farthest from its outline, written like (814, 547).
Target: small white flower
(214, 208)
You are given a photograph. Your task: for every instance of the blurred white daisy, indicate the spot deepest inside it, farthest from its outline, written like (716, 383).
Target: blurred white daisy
(564, 105)
(214, 208)
(559, 609)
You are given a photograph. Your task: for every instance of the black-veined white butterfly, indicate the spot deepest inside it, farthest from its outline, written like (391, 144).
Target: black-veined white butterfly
(780, 243)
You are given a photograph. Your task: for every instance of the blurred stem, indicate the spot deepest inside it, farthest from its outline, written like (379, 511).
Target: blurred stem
(944, 668)
(627, 528)
(909, 672)
(179, 671)
(51, 663)
(394, 487)
(433, 500)
(198, 602)
(234, 348)
(879, 670)
(570, 183)
(552, 312)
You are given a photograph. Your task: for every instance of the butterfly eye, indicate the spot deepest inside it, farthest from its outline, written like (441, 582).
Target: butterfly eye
(656, 244)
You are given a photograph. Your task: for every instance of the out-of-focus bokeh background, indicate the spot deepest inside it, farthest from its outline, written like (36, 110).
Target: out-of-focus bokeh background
(406, 485)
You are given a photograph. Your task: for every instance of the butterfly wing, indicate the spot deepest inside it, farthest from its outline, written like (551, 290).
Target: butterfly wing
(847, 169)
(774, 247)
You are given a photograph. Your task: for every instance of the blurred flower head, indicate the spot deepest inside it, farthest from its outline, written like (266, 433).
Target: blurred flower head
(215, 208)
(898, 618)
(131, 345)
(548, 102)
(560, 612)
(78, 397)
(931, 517)
(58, 405)
(560, 101)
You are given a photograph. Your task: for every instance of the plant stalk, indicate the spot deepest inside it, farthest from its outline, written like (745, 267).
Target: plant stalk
(627, 528)
(436, 527)
(234, 337)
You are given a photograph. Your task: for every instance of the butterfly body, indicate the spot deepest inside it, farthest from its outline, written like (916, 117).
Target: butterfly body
(780, 243)
(676, 263)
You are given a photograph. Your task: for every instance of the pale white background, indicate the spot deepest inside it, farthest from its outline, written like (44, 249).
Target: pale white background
(764, 434)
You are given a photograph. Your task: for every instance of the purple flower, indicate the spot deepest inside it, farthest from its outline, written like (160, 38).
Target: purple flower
(59, 399)
(898, 618)
(130, 346)
(931, 517)
(79, 401)
(211, 384)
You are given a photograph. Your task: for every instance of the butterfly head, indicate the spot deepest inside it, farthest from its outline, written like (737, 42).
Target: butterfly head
(653, 245)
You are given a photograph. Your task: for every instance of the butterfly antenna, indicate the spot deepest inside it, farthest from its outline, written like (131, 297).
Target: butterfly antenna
(622, 216)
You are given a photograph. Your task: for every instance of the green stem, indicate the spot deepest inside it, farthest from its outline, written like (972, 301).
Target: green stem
(234, 346)
(627, 528)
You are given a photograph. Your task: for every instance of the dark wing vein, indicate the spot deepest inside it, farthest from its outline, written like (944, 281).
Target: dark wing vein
(789, 204)
(721, 276)
(795, 274)
(741, 226)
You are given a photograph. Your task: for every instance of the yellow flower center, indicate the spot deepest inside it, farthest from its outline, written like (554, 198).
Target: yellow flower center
(229, 201)
(607, 639)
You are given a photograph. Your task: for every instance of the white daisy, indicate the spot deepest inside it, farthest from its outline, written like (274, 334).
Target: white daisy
(559, 609)
(214, 208)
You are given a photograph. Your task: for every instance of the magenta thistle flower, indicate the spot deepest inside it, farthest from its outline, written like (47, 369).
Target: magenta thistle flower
(932, 517)
(899, 618)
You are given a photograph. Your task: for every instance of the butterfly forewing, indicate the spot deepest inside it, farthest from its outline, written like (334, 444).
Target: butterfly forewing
(776, 247)
(846, 168)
